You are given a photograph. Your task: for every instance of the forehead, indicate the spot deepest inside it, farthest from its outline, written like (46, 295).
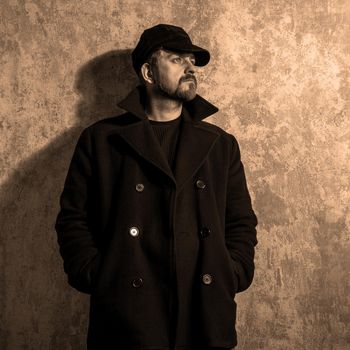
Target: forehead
(168, 53)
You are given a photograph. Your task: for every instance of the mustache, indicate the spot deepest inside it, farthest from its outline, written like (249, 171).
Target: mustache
(189, 77)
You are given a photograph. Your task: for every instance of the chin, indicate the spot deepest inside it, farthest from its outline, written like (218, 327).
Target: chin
(187, 95)
(181, 93)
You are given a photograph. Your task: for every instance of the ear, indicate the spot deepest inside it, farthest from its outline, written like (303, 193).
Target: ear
(146, 73)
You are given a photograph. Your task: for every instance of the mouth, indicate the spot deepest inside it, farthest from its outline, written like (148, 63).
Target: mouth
(189, 80)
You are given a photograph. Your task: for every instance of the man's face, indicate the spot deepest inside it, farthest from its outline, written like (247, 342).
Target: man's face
(173, 75)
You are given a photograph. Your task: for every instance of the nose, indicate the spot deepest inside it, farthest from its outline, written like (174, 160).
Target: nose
(190, 67)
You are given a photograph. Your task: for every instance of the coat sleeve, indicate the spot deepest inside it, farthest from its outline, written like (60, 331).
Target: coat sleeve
(240, 222)
(77, 247)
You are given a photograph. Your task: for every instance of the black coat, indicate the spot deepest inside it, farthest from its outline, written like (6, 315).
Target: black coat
(161, 253)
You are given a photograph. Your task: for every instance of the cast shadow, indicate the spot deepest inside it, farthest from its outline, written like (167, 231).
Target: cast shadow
(38, 309)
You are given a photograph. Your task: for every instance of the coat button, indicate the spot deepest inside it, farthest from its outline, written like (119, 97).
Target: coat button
(204, 232)
(140, 187)
(200, 184)
(134, 231)
(137, 282)
(207, 278)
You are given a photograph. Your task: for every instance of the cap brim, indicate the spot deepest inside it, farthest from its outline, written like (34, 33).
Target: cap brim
(202, 55)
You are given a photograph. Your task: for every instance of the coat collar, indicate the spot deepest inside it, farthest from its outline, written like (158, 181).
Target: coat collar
(195, 142)
(197, 109)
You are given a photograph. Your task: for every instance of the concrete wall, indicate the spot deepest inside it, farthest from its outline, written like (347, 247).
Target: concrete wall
(280, 75)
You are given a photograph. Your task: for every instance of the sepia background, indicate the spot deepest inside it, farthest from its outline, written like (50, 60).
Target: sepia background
(279, 74)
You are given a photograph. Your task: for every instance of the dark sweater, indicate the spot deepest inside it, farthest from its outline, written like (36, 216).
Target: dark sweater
(168, 134)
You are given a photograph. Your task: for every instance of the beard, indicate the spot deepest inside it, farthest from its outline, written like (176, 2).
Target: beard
(185, 90)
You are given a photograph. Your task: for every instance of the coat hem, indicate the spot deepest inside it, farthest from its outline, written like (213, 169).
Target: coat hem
(205, 347)
(199, 347)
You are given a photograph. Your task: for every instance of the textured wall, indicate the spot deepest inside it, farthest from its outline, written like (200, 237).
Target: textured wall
(280, 75)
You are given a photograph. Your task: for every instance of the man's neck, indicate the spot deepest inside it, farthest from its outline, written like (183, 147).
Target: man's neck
(163, 109)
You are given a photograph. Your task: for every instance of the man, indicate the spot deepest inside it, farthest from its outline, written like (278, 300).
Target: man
(156, 220)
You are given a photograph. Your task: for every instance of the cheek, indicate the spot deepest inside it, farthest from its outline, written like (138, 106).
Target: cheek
(169, 78)
(171, 74)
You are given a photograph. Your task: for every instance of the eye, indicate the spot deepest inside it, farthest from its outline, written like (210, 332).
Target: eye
(177, 59)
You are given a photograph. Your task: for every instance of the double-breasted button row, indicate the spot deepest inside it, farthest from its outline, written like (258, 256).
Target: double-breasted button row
(134, 231)
(207, 278)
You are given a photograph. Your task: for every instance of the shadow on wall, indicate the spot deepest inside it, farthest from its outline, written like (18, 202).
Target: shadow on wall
(38, 310)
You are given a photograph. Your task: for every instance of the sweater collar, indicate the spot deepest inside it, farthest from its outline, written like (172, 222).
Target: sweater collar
(198, 108)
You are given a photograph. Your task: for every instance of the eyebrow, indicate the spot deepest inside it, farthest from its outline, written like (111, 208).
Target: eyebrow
(191, 55)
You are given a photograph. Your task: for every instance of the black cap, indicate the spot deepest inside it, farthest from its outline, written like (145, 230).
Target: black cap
(168, 37)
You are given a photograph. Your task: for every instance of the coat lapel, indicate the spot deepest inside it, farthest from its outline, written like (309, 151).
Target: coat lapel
(140, 136)
(142, 139)
(195, 144)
